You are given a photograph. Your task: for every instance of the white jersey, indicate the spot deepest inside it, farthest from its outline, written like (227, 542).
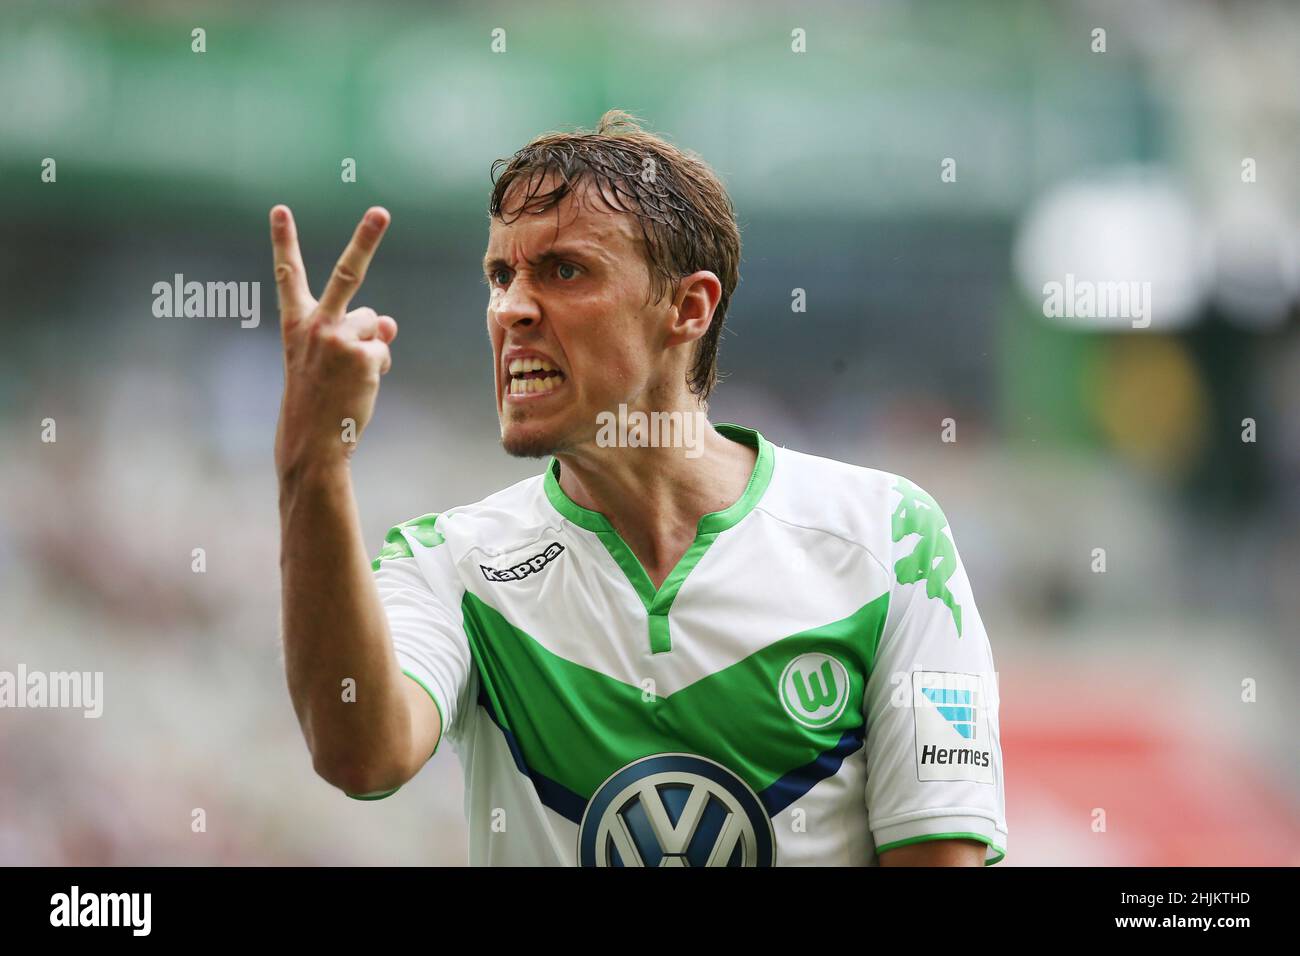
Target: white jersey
(810, 685)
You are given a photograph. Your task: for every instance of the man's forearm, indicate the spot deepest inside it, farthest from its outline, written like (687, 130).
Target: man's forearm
(334, 629)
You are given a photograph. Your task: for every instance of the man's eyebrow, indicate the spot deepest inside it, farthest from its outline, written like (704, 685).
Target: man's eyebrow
(572, 250)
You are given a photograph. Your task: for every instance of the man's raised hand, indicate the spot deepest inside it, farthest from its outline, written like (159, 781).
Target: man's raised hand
(333, 358)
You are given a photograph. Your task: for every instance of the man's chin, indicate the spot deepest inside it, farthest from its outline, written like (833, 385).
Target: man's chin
(528, 443)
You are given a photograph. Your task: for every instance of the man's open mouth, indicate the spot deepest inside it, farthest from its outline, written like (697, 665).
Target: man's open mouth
(533, 376)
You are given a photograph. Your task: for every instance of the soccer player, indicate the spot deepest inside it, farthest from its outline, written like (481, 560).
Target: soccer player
(676, 646)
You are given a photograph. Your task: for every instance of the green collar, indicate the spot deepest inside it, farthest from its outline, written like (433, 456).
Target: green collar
(658, 601)
(711, 523)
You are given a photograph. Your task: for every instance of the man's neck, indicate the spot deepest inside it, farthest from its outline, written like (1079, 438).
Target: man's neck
(655, 497)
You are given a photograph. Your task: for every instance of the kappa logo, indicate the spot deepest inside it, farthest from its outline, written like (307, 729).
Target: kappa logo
(814, 689)
(934, 559)
(520, 571)
(675, 810)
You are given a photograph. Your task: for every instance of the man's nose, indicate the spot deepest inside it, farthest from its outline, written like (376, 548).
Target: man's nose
(515, 304)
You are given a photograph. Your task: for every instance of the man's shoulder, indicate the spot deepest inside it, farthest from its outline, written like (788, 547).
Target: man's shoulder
(836, 476)
(489, 522)
(855, 502)
(515, 505)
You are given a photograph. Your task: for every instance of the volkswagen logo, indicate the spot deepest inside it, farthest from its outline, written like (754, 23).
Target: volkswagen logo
(675, 810)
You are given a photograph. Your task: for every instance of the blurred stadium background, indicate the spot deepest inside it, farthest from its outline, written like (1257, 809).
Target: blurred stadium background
(1121, 691)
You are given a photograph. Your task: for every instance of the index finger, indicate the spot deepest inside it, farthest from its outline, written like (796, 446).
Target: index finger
(290, 274)
(350, 271)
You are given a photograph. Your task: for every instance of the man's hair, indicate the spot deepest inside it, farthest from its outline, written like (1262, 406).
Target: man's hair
(686, 216)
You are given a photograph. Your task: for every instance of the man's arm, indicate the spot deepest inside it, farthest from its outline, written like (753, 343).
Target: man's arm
(935, 853)
(334, 629)
(334, 626)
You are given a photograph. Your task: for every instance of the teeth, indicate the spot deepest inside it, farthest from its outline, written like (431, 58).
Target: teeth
(531, 386)
(519, 366)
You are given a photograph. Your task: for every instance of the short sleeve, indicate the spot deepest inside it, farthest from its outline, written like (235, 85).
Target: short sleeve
(421, 595)
(934, 756)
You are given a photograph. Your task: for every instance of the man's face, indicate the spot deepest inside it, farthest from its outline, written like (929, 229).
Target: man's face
(572, 333)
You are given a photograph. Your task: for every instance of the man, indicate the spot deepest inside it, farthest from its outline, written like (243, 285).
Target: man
(704, 650)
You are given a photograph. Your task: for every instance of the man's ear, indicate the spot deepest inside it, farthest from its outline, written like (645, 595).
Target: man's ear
(694, 303)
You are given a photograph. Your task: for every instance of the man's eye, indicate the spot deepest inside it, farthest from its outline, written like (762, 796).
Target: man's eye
(566, 270)
(500, 277)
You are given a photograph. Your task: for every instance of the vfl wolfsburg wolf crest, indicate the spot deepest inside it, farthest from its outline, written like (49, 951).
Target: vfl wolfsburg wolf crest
(814, 689)
(934, 559)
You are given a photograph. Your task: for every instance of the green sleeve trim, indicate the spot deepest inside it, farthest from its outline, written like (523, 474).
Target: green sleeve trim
(442, 715)
(1001, 853)
(374, 796)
